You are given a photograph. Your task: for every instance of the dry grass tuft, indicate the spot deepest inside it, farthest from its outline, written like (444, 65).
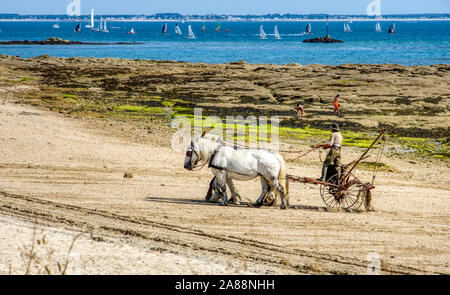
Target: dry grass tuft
(39, 257)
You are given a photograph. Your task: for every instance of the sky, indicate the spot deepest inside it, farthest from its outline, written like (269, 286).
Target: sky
(224, 6)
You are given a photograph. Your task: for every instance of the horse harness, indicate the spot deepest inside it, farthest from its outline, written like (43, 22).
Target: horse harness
(211, 165)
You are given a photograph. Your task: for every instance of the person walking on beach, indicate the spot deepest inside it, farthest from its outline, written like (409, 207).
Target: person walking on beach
(300, 110)
(337, 106)
(334, 155)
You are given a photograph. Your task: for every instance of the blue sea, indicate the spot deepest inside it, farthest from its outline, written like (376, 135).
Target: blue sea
(415, 43)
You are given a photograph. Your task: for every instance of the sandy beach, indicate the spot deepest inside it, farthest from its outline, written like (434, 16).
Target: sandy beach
(67, 141)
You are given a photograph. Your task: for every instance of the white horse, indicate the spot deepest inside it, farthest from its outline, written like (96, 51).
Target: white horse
(228, 163)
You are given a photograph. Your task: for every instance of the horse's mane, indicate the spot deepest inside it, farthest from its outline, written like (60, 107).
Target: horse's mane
(212, 137)
(211, 141)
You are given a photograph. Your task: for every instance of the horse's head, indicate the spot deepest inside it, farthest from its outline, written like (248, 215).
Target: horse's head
(192, 156)
(201, 148)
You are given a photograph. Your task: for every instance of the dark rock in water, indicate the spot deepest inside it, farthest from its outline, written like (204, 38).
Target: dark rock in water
(59, 41)
(326, 39)
(242, 62)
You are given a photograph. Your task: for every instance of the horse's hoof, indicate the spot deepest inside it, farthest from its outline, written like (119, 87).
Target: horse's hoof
(256, 205)
(283, 207)
(221, 203)
(235, 201)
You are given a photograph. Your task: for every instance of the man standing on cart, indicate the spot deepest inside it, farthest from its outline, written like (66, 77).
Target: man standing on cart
(334, 155)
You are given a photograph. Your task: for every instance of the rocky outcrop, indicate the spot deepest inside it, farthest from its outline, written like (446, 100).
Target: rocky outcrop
(326, 39)
(407, 100)
(56, 41)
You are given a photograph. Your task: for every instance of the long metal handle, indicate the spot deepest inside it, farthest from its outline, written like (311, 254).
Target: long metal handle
(365, 153)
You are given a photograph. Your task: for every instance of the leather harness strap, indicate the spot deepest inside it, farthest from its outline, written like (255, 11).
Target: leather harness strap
(211, 165)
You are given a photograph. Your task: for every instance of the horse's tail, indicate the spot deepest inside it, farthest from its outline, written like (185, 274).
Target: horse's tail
(282, 176)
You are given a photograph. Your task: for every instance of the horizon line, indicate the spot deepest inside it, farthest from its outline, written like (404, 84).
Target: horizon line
(224, 14)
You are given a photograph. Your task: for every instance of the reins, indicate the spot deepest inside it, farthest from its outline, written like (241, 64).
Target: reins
(304, 154)
(227, 143)
(237, 145)
(200, 166)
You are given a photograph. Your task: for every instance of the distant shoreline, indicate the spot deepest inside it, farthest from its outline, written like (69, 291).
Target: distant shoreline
(223, 21)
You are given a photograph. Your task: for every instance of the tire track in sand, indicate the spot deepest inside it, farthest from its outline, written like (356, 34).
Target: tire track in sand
(164, 234)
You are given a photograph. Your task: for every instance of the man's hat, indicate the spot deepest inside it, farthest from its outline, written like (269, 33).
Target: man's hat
(335, 127)
(338, 95)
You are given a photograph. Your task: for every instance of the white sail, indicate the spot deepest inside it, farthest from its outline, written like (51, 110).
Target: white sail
(92, 20)
(347, 28)
(101, 24)
(262, 34)
(276, 33)
(177, 30)
(191, 33)
(105, 28)
(378, 28)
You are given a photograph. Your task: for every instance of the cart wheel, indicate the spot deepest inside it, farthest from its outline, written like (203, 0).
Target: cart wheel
(350, 193)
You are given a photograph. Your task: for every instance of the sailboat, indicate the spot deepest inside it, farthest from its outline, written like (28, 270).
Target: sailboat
(347, 28)
(378, 28)
(105, 28)
(276, 33)
(262, 34)
(218, 28)
(78, 28)
(97, 29)
(132, 32)
(55, 26)
(177, 30)
(392, 29)
(100, 26)
(307, 30)
(164, 29)
(191, 33)
(92, 20)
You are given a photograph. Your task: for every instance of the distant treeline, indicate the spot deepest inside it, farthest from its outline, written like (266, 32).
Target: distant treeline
(177, 16)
